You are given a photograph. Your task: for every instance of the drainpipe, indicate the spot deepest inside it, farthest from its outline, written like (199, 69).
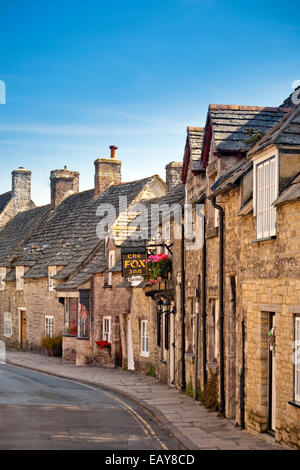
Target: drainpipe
(204, 359)
(183, 381)
(221, 286)
(242, 379)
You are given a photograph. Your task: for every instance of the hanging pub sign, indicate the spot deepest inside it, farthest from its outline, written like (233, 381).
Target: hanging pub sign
(134, 264)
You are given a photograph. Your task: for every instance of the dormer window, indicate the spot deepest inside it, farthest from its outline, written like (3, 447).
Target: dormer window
(51, 281)
(2, 277)
(265, 191)
(19, 278)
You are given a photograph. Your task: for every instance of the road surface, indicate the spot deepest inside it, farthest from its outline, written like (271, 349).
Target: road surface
(39, 411)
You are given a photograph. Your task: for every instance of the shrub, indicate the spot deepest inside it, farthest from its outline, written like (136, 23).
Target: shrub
(151, 371)
(53, 345)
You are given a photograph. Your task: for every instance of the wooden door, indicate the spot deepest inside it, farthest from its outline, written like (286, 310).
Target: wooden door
(23, 328)
(272, 389)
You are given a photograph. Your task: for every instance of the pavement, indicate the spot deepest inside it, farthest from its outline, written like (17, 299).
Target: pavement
(191, 424)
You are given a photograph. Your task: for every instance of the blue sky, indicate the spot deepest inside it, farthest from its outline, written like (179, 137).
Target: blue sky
(82, 75)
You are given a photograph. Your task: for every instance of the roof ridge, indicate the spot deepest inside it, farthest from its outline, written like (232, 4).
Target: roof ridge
(239, 107)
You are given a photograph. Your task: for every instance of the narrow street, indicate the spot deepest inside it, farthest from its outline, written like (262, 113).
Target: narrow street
(38, 411)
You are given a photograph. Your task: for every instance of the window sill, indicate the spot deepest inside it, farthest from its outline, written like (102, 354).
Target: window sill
(163, 361)
(66, 335)
(107, 286)
(294, 403)
(144, 355)
(256, 240)
(81, 338)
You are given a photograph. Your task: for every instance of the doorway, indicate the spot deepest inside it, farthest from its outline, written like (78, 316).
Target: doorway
(23, 328)
(272, 373)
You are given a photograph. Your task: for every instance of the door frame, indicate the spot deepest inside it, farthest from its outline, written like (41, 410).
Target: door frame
(20, 310)
(272, 401)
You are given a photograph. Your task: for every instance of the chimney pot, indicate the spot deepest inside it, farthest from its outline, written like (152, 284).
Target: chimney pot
(113, 151)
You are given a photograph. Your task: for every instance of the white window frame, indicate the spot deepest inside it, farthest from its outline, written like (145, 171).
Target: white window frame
(49, 325)
(144, 338)
(297, 359)
(19, 278)
(106, 336)
(111, 264)
(265, 169)
(7, 324)
(51, 282)
(2, 277)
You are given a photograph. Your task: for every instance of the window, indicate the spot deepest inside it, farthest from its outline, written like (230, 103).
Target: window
(49, 321)
(19, 277)
(83, 323)
(2, 277)
(144, 338)
(297, 359)
(71, 313)
(51, 281)
(107, 329)
(111, 263)
(265, 191)
(7, 324)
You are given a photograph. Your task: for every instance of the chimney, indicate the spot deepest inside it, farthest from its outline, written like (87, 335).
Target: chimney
(21, 184)
(63, 183)
(173, 175)
(107, 171)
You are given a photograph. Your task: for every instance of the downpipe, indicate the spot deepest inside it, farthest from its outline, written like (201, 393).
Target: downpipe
(221, 317)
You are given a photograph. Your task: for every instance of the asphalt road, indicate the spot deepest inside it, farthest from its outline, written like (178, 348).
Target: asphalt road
(39, 411)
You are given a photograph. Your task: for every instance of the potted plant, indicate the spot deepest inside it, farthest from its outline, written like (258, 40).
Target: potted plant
(103, 345)
(159, 266)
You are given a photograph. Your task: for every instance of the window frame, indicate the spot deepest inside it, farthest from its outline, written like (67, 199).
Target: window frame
(260, 166)
(80, 334)
(19, 278)
(52, 270)
(145, 338)
(67, 331)
(105, 332)
(3, 272)
(5, 321)
(51, 318)
(111, 264)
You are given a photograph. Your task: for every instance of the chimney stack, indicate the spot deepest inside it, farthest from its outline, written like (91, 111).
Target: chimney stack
(21, 184)
(107, 171)
(173, 175)
(63, 183)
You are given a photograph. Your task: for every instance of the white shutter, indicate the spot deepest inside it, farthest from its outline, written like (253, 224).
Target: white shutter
(107, 329)
(144, 338)
(297, 359)
(273, 195)
(259, 208)
(49, 326)
(266, 189)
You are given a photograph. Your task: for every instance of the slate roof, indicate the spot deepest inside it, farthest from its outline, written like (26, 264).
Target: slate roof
(193, 150)
(176, 196)
(291, 193)
(228, 125)
(4, 200)
(286, 132)
(288, 103)
(232, 177)
(17, 230)
(65, 236)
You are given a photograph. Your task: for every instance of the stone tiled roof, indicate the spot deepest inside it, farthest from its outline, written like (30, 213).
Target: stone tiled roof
(229, 124)
(193, 150)
(286, 132)
(288, 103)
(176, 196)
(97, 264)
(16, 231)
(232, 177)
(4, 199)
(67, 235)
(291, 193)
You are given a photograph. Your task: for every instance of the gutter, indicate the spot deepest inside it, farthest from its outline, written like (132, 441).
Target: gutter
(221, 290)
(204, 359)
